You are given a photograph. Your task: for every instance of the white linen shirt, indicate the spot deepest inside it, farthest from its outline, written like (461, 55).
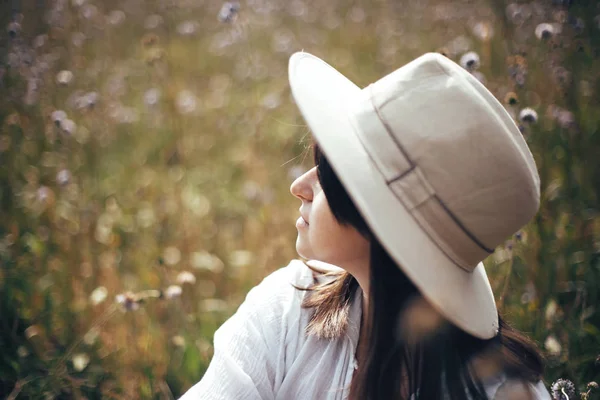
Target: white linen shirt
(263, 353)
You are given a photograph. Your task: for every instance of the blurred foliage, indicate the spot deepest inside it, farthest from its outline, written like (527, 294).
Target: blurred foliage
(147, 147)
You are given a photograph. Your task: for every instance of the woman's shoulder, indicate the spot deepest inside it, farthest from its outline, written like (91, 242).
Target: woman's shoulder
(250, 347)
(506, 388)
(279, 291)
(274, 307)
(285, 280)
(269, 304)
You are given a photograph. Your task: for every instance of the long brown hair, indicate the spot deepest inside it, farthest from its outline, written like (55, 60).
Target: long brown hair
(408, 353)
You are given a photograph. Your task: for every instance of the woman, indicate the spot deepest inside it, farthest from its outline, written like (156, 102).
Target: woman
(418, 178)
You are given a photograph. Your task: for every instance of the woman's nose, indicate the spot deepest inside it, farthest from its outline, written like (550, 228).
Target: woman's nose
(301, 188)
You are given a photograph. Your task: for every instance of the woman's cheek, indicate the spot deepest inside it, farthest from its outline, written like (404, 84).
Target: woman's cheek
(325, 238)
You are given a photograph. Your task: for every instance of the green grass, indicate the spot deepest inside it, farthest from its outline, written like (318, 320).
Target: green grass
(206, 191)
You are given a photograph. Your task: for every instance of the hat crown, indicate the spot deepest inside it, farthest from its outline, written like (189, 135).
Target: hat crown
(451, 153)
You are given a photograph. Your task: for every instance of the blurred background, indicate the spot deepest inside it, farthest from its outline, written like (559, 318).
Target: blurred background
(146, 153)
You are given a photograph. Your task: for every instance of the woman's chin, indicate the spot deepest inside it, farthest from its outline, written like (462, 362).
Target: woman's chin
(302, 249)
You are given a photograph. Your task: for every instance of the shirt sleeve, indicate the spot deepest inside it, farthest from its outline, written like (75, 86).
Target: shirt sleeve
(248, 347)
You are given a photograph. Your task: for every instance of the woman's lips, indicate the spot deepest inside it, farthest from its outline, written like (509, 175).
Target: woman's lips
(301, 223)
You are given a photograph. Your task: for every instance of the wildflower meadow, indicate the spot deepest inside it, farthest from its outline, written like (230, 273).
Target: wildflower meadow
(146, 153)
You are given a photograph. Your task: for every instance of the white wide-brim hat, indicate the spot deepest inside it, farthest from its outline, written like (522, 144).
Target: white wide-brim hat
(436, 166)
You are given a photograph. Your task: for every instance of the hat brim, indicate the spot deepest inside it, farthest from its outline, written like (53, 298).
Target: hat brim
(323, 96)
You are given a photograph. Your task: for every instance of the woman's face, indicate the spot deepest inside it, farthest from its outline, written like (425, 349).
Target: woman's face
(320, 236)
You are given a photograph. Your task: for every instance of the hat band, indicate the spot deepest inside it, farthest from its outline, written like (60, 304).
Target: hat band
(410, 186)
